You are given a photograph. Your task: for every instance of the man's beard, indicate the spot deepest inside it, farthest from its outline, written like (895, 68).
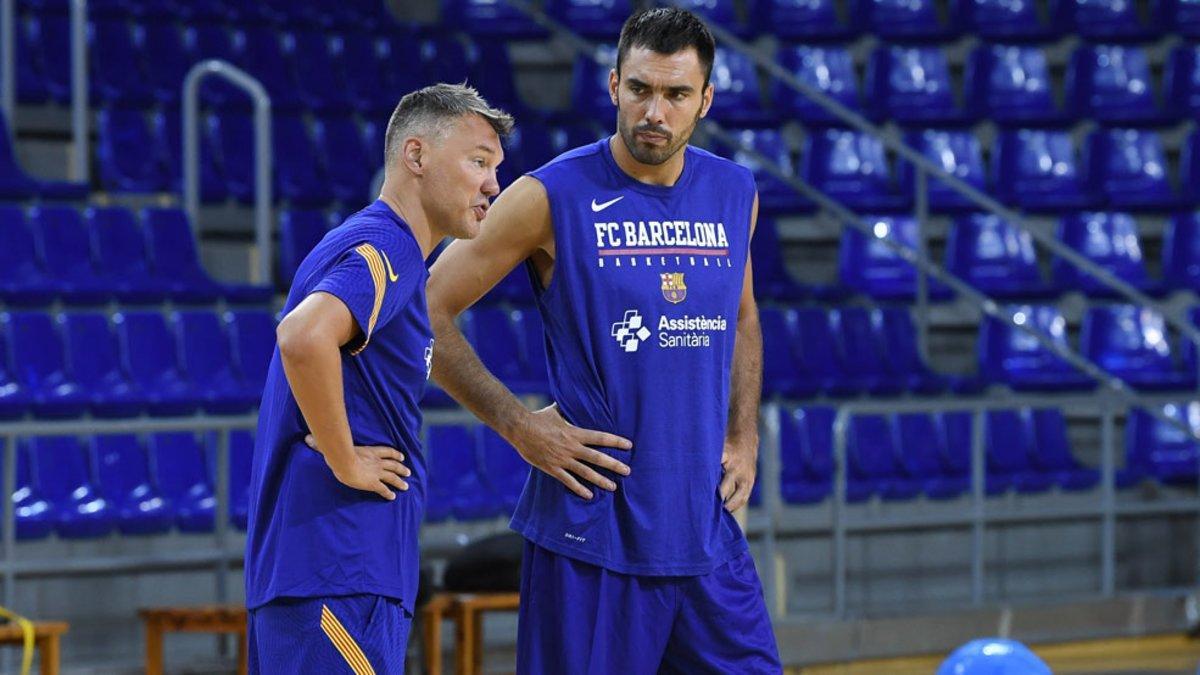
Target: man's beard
(652, 155)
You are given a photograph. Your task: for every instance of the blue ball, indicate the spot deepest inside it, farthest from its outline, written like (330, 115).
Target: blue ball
(993, 656)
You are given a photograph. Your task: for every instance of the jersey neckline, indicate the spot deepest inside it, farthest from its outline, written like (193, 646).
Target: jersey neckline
(646, 188)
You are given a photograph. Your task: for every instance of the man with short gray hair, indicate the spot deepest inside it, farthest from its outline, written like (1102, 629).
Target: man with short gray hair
(337, 486)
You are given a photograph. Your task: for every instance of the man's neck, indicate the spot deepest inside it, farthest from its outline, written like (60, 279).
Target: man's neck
(651, 174)
(410, 211)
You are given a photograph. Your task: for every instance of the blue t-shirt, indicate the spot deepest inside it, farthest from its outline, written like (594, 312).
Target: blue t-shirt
(640, 318)
(309, 535)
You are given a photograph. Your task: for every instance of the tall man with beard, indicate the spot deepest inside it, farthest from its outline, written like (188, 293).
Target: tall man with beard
(638, 250)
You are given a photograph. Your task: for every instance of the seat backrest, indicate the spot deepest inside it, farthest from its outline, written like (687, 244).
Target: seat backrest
(1004, 349)
(148, 348)
(172, 247)
(1009, 441)
(1052, 446)
(61, 466)
(178, 464)
(1153, 444)
(958, 153)
(920, 445)
(37, 348)
(769, 143)
(203, 344)
(1182, 79)
(779, 344)
(1128, 159)
(1107, 239)
(1035, 157)
(453, 460)
(956, 427)
(531, 334)
(1127, 337)
(503, 468)
(18, 255)
(118, 240)
(1009, 78)
(64, 242)
(495, 341)
(735, 83)
(866, 262)
(841, 160)
(907, 77)
(299, 232)
(895, 327)
(1107, 80)
(830, 70)
(818, 432)
(860, 347)
(1181, 248)
(815, 342)
(985, 248)
(871, 447)
(91, 348)
(121, 464)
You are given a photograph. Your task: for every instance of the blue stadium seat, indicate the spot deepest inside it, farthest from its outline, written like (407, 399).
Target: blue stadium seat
(121, 260)
(495, 340)
(822, 364)
(1129, 168)
(1160, 450)
(445, 57)
(167, 128)
(40, 365)
(782, 367)
(957, 427)
(123, 475)
(915, 20)
(1011, 84)
(1181, 252)
(124, 164)
(66, 252)
(299, 232)
(995, 257)
(149, 355)
(1005, 21)
(737, 99)
(96, 365)
(1012, 357)
(503, 469)
(320, 79)
(1010, 447)
(589, 86)
(912, 85)
(49, 35)
(213, 41)
(922, 456)
(117, 75)
(64, 477)
(232, 135)
(34, 513)
(208, 364)
(1131, 343)
(1112, 84)
(871, 464)
(14, 399)
(829, 69)
(300, 175)
(22, 278)
(1184, 17)
(173, 252)
(904, 359)
(591, 18)
(861, 351)
(1052, 452)
(241, 458)
(1106, 20)
(490, 18)
(1189, 168)
(259, 51)
(31, 84)
(528, 147)
(806, 448)
(372, 81)
(1111, 241)
(181, 473)
(868, 266)
(771, 276)
(1182, 80)
(804, 19)
(252, 334)
(455, 487)
(851, 167)
(958, 153)
(166, 56)
(774, 195)
(531, 336)
(1039, 170)
(339, 143)
(15, 183)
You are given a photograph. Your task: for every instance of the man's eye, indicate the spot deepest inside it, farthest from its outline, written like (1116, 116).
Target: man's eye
(479, 163)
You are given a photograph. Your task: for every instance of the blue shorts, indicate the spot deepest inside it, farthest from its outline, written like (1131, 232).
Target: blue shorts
(586, 620)
(343, 634)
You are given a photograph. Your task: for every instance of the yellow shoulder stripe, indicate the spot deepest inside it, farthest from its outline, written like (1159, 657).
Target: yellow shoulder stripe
(379, 278)
(345, 644)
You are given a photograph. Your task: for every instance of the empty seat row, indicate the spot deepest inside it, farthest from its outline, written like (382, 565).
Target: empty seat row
(123, 483)
(105, 253)
(65, 365)
(1034, 169)
(912, 85)
(342, 14)
(829, 19)
(992, 255)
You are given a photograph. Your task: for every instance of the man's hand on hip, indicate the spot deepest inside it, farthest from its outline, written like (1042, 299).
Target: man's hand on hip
(372, 468)
(560, 449)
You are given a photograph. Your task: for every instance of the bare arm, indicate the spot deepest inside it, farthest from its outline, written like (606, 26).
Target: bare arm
(517, 227)
(741, 440)
(310, 339)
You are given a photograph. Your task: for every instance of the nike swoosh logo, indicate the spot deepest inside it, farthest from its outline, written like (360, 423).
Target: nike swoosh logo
(597, 208)
(391, 275)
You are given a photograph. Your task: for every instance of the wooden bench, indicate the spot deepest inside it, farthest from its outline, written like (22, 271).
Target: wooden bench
(466, 611)
(45, 638)
(208, 619)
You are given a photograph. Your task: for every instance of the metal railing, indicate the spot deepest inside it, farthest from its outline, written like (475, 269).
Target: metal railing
(262, 154)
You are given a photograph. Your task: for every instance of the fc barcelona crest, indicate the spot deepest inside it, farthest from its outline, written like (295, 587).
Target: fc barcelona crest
(673, 287)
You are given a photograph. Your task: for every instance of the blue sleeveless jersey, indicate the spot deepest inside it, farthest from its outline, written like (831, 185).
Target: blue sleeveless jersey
(640, 319)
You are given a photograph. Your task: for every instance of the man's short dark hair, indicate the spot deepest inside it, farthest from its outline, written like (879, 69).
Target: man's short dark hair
(431, 110)
(667, 30)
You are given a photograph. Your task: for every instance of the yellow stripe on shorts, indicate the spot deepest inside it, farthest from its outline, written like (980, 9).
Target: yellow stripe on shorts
(379, 277)
(345, 644)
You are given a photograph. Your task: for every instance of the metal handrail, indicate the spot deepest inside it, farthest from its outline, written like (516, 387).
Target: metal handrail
(262, 153)
(8, 71)
(79, 93)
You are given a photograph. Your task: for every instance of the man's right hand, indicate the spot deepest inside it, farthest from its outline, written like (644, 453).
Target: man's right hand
(372, 468)
(560, 449)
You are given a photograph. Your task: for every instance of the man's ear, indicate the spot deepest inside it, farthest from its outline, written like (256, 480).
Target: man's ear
(613, 81)
(412, 155)
(707, 99)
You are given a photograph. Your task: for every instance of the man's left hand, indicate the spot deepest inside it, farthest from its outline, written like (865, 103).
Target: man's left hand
(740, 463)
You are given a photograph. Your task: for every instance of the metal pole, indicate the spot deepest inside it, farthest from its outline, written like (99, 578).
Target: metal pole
(262, 187)
(839, 518)
(79, 91)
(8, 70)
(222, 513)
(978, 495)
(10, 519)
(771, 462)
(922, 200)
(1108, 503)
